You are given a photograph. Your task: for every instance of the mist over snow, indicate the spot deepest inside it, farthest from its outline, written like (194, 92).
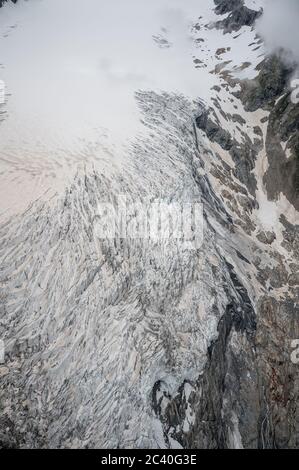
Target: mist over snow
(279, 27)
(71, 71)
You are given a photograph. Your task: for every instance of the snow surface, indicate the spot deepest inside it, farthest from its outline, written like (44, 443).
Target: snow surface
(70, 95)
(99, 324)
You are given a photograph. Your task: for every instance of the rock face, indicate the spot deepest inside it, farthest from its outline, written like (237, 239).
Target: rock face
(138, 343)
(273, 79)
(214, 131)
(239, 15)
(4, 1)
(270, 91)
(244, 155)
(283, 174)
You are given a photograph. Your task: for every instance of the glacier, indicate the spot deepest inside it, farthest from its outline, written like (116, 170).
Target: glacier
(138, 343)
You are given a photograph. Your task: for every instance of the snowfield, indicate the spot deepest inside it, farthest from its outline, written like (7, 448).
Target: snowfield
(136, 343)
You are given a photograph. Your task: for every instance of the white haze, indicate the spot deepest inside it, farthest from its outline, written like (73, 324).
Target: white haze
(71, 69)
(279, 27)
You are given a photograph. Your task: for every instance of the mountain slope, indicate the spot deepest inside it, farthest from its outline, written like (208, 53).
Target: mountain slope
(134, 343)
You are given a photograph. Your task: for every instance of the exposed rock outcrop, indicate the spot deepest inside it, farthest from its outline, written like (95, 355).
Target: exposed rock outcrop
(4, 1)
(239, 15)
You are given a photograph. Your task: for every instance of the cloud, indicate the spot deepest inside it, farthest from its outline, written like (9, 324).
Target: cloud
(279, 28)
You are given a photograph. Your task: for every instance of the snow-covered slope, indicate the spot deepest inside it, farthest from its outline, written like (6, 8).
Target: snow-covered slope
(135, 343)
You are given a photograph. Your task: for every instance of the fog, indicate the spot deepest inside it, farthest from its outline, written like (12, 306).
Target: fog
(279, 27)
(75, 65)
(71, 69)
